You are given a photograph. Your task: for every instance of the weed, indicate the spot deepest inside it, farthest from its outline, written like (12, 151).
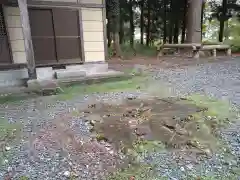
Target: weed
(9, 98)
(24, 178)
(222, 110)
(148, 146)
(8, 134)
(136, 172)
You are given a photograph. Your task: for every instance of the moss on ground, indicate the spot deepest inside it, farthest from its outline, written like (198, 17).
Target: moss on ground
(143, 146)
(220, 109)
(10, 98)
(134, 172)
(117, 86)
(9, 133)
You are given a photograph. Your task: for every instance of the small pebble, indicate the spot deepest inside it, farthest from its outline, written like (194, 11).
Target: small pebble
(7, 148)
(182, 169)
(67, 174)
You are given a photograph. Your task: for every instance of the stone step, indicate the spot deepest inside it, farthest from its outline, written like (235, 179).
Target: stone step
(90, 68)
(39, 84)
(106, 74)
(69, 73)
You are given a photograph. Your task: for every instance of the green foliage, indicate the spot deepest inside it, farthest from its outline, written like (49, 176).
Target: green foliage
(139, 49)
(235, 44)
(10, 98)
(222, 110)
(9, 133)
(148, 146)
(8, 130)
(23, 178)
(138, 172)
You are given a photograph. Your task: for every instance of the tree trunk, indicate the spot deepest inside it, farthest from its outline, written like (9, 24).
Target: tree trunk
(131, 24)
(142, 21)
(202, 15)
(221, 30)
(222, 20)
(175, 9)
(121, 29)
(171, 25)
(184, 21)
(194, 21)
(176, 32)
(117, 48)
(165, 22)
(226, 31)
(109, 37)
(149, 23)
(114, 20)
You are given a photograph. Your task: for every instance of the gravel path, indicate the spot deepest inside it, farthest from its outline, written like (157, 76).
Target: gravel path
(221, 80)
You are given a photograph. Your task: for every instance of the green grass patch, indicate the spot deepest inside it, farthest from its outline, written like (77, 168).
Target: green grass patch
(139, 49)
(9, 134)
(135, 172)
(144, 146)
(113, 86)
(222, 110)
(10, 98)
(24, 178)
(9, 130)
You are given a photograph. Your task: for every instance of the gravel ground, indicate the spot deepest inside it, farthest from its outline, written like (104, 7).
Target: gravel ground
(221, 80)
(41, 162)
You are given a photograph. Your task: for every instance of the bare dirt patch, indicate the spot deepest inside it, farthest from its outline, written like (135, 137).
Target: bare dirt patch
(178, 124)
(119, 131)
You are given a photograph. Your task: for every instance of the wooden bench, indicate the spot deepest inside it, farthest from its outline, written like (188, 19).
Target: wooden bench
(195, 48)
(214, 48)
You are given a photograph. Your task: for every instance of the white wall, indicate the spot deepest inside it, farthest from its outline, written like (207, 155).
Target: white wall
(14, 28)
(93, 34)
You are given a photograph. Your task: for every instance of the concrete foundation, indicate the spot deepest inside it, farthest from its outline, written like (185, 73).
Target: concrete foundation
(13, 77)
(62, 74)
(45, 73)
(88, 70)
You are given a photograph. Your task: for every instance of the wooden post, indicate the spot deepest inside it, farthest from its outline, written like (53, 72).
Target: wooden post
(27, 38)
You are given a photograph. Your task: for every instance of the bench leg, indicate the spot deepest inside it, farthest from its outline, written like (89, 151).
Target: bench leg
(196, 54)
(214, 53)
(229, 52)
(160, 53)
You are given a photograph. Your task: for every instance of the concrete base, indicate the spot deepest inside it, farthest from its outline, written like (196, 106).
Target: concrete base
(45, 73)
(36, 84)
(61, 74)
(90, 68)
(13, 77)
(18, 77)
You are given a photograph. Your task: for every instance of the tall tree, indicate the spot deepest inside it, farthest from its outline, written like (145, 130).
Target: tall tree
(164, 21)
(222, 19)
(176, 10)
(194, 21)
(223, 12)
(171, 23)
(132, 29)
(114, 20)
(148, 29)
(142, 3)
(184, 21)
